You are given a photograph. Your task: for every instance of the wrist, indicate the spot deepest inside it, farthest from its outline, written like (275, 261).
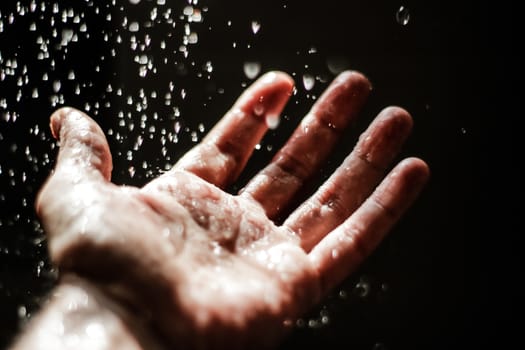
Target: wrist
(79, 315)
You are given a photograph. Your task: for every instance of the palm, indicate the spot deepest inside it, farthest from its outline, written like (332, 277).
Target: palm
(200, 261)
(235, 267)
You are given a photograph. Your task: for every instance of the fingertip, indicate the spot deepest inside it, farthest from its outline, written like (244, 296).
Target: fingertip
(408, 178)
(267, 95)
(277, 79)
(418, 170)
(402, 186)
(400, 118)
(355, 78)
(397, 112)
(344, 98)
(274, 87)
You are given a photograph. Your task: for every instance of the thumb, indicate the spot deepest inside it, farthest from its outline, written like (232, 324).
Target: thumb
(84, 151)
(83, 162)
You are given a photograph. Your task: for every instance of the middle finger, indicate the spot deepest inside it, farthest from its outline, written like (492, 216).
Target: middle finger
(276, 185)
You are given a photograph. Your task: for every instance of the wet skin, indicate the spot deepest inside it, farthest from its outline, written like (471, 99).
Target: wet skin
(206, 268)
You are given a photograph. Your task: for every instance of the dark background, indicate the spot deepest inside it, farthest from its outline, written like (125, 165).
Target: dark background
(429, 283)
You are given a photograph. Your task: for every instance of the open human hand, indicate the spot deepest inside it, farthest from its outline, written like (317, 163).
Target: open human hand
(207, 267)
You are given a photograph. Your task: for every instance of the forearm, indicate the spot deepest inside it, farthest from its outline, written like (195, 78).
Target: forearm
(79, 316)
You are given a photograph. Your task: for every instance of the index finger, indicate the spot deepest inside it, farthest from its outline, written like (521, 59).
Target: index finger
(223, 153)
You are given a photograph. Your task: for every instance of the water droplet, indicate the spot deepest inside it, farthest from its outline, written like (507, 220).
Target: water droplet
(208, 67)
(187, 11)
(343, 294)
(403, 15)
(134, 27)
(258, 110)
(57, 85)
(252, 69)
(177, 127)
(22, 311)
(143, 59)
(194, 136)
(193, 38)
(300, 323)
(134, 2)
(256, 26)
(308, 81)
(272, 121)
(67, 36)
(313, 324)
(362, 288)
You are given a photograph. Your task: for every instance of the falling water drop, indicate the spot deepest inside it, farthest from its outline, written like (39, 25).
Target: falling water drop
(193, 38)
(22, 311)
(188, 11)
(134, 27)
(252, 69)
(403, 15)
(256, 26)
(67, 36)
(57, 85)
(272, 121)
(308, 81)
(208, 67)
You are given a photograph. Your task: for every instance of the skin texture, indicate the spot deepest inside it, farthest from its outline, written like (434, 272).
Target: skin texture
(205, 268)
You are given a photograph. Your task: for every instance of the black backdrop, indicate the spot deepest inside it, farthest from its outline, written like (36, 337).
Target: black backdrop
(156, 75)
